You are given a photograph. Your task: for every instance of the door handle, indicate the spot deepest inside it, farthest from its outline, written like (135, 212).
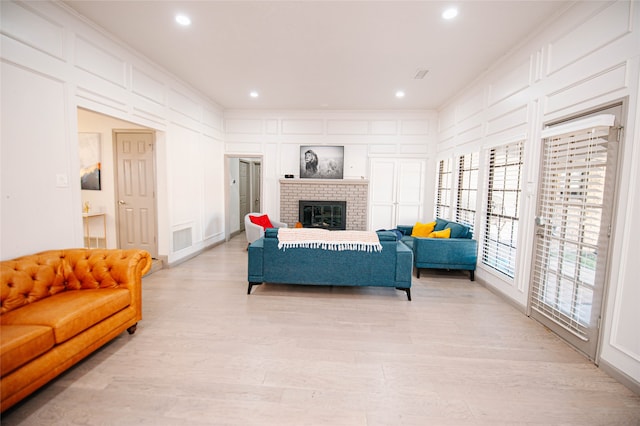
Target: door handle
(121, 202)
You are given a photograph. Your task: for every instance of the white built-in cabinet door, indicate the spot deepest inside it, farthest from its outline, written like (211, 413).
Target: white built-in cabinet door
(397, 192)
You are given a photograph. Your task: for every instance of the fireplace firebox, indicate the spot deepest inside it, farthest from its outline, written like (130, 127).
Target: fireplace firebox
(323, 214)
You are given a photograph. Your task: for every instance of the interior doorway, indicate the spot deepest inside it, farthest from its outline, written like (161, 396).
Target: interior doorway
(105, 200)
(243, 177)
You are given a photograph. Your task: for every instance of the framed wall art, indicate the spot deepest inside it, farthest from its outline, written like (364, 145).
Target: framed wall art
(321, 162)
(90, 157)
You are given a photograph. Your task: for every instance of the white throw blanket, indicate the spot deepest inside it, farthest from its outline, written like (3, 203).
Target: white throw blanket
(328, 240)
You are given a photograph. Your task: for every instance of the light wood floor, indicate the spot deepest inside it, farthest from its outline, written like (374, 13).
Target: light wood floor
(208, 354)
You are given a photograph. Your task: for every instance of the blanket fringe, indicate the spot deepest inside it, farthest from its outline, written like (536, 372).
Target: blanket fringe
(324, 239)
(328, 245)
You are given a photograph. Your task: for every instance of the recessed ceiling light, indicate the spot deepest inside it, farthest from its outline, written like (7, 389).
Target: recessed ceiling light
(183, 20)
(450, 13)
(254, 94)
(399, 94)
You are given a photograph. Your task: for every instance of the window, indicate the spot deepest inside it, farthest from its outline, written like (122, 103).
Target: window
(443, 191)
(503, 205)
(467, 189)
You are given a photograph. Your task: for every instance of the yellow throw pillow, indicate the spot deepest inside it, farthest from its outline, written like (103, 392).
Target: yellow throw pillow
(422, 229)
(445, 233)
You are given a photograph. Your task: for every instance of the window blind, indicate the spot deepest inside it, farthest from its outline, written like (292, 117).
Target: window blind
(502, 209)
(467, 189)
(443, 191)
(573, 195)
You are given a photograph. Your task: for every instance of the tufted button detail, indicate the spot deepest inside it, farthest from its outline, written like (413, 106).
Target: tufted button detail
(10, 285)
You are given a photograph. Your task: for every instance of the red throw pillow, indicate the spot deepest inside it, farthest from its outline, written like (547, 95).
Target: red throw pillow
(261, 220)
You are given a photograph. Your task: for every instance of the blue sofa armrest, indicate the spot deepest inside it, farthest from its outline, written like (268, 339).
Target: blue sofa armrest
(404, 265)
(445, 253)
(256, 261)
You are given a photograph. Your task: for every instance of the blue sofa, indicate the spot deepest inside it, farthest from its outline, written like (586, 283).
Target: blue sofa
(390, 267)
(460, 252)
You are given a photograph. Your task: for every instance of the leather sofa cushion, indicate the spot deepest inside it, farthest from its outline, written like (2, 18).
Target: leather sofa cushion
(70, 312)
(19, 344)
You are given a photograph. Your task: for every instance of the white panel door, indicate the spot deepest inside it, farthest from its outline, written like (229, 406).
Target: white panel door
(410, 191)
(382, 184)
(244, 188)
(136, 191)
(256, 179)
(397, 192)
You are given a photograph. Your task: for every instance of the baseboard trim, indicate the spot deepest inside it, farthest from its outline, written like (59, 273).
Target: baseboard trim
(191, 256)
(621, 377)
(607, 368)
(501, 295)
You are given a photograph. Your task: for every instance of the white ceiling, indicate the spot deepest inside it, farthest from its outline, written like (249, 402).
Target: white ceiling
(322, 54)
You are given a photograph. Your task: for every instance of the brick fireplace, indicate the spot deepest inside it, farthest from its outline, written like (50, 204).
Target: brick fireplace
(355, 192)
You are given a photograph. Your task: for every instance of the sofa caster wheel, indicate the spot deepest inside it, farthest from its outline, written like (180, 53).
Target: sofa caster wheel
(133, 328)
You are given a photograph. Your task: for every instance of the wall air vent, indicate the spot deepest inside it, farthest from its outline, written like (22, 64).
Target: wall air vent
(420, 73)
(182, 239)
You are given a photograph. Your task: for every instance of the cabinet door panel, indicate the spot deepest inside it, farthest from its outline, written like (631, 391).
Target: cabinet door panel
(397, 192)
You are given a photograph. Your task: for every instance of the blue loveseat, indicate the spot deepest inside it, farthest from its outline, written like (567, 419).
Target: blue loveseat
(459, 252)
(390, 267)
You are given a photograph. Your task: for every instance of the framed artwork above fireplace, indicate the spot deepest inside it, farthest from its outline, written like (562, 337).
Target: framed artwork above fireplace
(321, 162)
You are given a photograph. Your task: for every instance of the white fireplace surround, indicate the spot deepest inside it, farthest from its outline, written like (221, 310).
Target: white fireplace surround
(354, 191)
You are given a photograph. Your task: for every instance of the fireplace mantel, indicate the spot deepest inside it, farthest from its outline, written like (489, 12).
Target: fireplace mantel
(354, 191)
(327, 181)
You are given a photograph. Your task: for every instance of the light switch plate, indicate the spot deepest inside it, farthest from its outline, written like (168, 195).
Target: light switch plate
(62, 180)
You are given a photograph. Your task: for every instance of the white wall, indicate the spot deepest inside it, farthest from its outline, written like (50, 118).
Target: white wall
(277, 136)
(588, 57)
(54, 62)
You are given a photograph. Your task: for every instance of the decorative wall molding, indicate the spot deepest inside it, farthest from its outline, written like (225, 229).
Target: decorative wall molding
(33, 29)
(100, 62)
(592, 87)
(602, 28)
(148, 87)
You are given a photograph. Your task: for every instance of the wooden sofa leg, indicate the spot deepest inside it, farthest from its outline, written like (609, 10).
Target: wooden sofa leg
(133, 328)
(417, 272)
(407, 290)
(472, 275)
(251, 286)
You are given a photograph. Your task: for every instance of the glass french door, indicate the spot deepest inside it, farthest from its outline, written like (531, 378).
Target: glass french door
(573, 227)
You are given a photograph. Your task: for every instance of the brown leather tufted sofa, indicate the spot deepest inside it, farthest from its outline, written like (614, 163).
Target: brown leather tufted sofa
(58, 307)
